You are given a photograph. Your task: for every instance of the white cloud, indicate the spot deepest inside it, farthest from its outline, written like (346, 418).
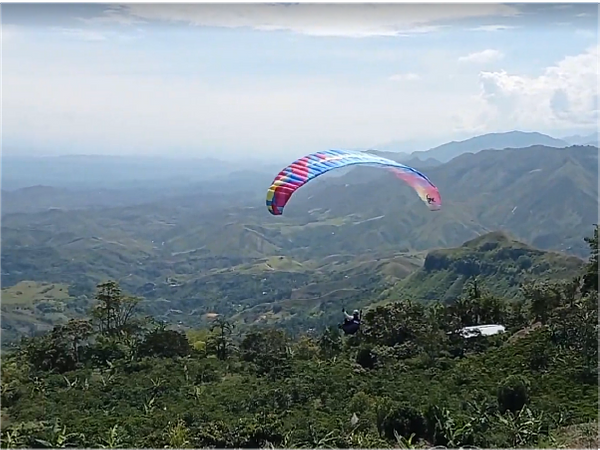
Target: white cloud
(565, 95)
(585, 33)
(349, 20)
(147, 99)
(114, 14)
(493, 28)
(79, 33)
(405, 77)
(482, 57)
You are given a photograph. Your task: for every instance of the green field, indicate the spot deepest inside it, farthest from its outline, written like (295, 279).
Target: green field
(30, 307)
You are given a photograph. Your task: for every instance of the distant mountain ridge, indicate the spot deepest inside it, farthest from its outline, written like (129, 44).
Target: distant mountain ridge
(490, 141)
(545, 196)
(120, 172)
(125, 172)
(588, 139)
(533, 192)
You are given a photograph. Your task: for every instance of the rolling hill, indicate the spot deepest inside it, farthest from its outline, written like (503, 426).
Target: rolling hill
(278, 288)
(29, 308)
(297, 295)
(544, 196)
(341, 241)
(500, 261)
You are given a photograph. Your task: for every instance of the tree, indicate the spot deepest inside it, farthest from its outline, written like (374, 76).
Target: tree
(330, 342)
(542, 298)
(575, 329)
(114, 312)
(164, 343)
(52, 352)
(396, 323)
(404, 420)
(220, 343)
(476, 306)
(266, 349)
(590, 278)
(366, 358)
(513, 393)
(76, 331)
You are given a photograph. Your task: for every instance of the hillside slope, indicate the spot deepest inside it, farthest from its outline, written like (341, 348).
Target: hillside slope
(300, 295)
(209, 251)
(500, 262)
(544, 196)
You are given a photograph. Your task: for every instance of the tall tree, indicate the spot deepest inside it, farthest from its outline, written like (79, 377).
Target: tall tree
(76, 331)
(542, 297)
(114, 312)
(574, 327)
(220, 342)
(590, 278)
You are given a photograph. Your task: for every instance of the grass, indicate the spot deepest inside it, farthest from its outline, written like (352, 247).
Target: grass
(30, 307)
(28, 293)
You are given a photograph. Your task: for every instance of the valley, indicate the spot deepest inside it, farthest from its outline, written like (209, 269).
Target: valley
(351, 240)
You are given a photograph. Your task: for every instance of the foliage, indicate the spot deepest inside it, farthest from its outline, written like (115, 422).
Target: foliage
(495, 257)
(407, 380)
(590, 278)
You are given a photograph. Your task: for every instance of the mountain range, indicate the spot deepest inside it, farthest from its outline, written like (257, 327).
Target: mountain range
(104, 172)
(197, 247)
(588, 139)
(491, 141)
(545, 196)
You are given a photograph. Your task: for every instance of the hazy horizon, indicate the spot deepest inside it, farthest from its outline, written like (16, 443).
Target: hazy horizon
(229, 81)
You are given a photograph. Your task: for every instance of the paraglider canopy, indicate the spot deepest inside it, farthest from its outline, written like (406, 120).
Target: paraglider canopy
(301, 171)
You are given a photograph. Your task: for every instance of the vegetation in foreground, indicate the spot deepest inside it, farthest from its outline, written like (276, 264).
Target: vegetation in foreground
(116, 379)
(299, 296)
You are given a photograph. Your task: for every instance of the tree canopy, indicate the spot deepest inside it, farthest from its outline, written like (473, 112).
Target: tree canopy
(117, 379)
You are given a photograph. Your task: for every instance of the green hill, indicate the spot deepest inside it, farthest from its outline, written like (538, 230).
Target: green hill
(115, 379)
(29, 308)
(544, 196)
(500, 262)
(213, 251)
(303, 294)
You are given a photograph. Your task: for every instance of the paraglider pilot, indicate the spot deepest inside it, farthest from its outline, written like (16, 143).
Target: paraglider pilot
(351, 322)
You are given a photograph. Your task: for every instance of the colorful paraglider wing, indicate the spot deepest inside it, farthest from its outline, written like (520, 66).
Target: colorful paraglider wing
(308, 167)
(421, 184)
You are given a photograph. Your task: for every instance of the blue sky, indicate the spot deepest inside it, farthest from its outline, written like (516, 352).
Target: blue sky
(237, 80)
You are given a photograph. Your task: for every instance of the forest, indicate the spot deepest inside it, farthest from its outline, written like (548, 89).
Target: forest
(407, 379)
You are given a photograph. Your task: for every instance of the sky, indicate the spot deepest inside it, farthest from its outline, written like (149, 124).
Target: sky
(287, 79)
